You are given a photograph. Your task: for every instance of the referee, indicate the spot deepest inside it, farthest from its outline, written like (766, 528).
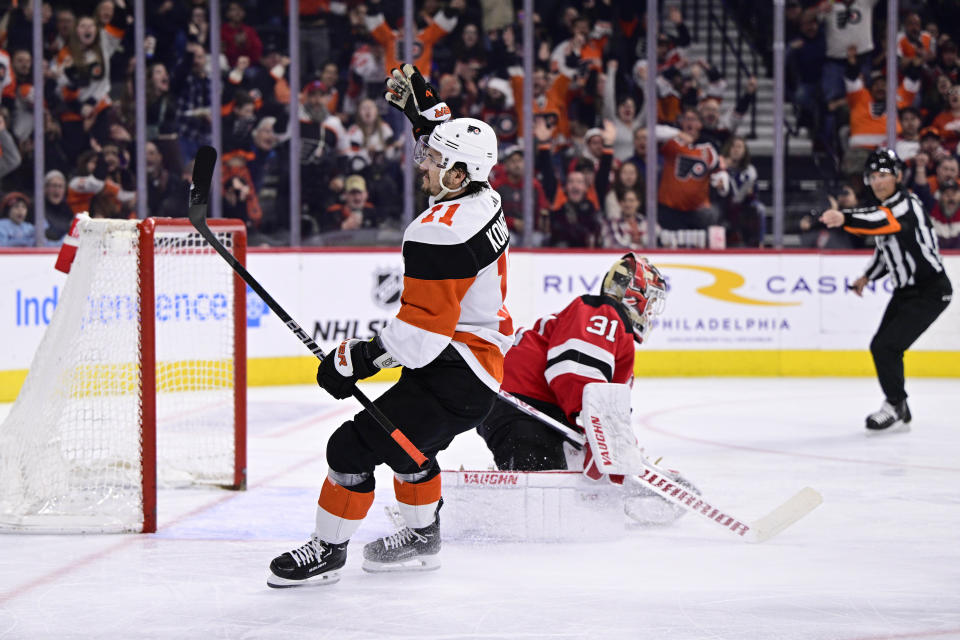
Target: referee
(906, 250)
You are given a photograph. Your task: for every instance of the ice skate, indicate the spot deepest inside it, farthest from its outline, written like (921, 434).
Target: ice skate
(890, 418)
(314, 563)
(407, 549)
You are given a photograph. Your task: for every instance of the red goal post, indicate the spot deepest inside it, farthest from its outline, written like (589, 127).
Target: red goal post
(139, 382)
(149, 229)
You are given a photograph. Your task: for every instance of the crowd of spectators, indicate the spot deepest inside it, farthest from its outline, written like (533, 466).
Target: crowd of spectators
(587, 85)
(837, 83)
(589, 113)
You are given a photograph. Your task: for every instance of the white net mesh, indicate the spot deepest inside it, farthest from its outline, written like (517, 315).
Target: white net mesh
(70, 449)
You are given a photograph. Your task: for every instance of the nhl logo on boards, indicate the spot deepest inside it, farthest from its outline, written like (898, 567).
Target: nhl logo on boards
(387, 286)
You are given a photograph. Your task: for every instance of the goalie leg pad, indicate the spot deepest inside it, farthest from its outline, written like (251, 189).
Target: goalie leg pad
(606, 422)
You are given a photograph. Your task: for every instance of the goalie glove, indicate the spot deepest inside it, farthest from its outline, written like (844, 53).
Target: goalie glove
(409, 91)
(351, 361)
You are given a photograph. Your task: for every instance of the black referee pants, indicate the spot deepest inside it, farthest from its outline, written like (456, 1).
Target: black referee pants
(910, 311)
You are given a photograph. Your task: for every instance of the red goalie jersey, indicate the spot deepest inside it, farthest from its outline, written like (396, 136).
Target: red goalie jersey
(591, 340)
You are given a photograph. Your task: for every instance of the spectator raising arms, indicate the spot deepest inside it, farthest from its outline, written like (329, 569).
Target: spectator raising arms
(438, 25)
(868, 117)
(550, 100)
(684, 193)
(82, 71)
(623, 113)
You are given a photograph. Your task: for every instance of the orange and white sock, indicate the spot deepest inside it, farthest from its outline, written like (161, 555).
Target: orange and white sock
(340, 511)
(417, 501)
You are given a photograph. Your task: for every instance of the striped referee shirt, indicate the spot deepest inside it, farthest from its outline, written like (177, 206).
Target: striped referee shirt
(907, 246)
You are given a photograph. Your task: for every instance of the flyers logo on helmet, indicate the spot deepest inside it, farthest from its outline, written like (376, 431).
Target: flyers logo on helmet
(474, 130)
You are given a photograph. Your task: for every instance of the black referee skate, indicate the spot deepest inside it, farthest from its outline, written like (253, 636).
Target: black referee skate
(889, 417)
(316, 562)
(406, 550)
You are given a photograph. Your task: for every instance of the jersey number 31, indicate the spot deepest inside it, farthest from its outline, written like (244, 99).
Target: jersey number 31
(598, 325)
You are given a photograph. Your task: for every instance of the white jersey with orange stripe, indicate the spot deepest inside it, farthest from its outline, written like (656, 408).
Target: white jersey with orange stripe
(454, 285)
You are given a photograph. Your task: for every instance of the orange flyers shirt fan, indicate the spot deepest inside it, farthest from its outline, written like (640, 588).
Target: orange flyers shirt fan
(685, 180)
(454, 285)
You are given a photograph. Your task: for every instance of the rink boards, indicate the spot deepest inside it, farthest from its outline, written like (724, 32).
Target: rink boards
(727, 313)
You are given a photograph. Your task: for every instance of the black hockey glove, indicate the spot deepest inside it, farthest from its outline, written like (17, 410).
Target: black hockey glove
(409, 91)
(352, 360)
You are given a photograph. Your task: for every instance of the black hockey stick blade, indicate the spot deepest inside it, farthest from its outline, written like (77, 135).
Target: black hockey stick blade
(203, 166)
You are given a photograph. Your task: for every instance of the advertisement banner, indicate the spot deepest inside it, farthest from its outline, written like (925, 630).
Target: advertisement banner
(726, 301)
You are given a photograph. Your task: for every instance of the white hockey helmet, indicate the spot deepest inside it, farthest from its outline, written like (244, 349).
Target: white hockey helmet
(467, 140)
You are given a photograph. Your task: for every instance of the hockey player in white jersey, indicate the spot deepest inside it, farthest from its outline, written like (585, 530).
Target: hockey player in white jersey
(450, 336)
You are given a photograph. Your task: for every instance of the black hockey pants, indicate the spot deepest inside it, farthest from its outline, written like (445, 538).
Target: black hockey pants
(430, 405)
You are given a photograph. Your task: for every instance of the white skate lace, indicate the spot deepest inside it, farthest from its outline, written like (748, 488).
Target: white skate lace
(886, 412)
(308, 552)
(405, 533)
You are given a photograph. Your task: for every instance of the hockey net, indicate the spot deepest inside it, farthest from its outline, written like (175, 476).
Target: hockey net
(140, 379)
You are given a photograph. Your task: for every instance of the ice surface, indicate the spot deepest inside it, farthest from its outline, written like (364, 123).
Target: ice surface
(879, 559)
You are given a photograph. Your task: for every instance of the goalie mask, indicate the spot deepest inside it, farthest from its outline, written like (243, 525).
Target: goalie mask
(467, 140)
(640, 289)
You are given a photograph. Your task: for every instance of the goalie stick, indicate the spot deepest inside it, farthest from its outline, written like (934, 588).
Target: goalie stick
(203, 167)
(574, 437)
(655, 479)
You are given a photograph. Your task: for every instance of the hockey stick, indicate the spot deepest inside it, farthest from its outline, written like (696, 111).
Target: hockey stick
(574, 437)
(656, 480)
(203, 167)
